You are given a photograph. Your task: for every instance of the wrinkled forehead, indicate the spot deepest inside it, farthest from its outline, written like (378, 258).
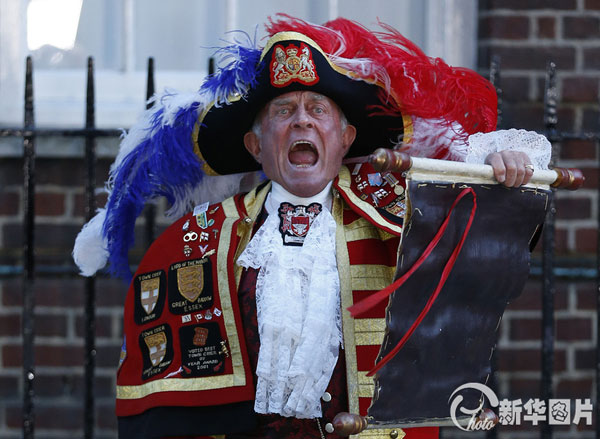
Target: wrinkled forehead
(295, 96)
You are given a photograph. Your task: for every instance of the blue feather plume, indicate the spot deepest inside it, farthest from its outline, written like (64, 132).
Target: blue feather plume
(163, 163)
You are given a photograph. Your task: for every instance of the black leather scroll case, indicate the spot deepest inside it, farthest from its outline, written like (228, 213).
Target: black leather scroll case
(453, 344)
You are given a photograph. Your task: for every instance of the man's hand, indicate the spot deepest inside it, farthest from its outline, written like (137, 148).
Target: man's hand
(511, 168)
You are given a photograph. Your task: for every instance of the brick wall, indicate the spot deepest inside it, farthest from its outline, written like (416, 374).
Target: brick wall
(526, 34)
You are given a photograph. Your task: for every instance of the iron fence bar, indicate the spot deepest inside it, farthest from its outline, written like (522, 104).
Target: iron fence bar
(66, 132)
(548, 241)
(598, 305)
(28, 327)
(90, 282)
(492, 383)
(150, 214)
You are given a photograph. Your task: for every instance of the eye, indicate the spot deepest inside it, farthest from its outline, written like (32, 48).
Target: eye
(319, 110)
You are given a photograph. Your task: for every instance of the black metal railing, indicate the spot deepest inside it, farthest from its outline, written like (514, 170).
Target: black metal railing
(547, 269)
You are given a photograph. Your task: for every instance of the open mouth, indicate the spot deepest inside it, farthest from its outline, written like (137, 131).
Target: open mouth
(303, 154)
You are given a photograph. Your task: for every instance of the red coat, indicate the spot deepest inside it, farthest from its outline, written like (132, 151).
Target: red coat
(185, 343)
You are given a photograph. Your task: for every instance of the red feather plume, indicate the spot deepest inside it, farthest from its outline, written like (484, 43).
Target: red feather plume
(422, 86)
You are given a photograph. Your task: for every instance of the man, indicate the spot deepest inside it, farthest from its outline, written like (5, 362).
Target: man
(233, 321)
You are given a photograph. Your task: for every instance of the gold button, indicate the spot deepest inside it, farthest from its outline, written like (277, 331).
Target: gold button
(326, 397)
(394, 434)
(329, 427)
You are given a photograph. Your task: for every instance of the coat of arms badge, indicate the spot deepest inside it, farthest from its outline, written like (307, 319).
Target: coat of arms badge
(292, 64)
(295, 221)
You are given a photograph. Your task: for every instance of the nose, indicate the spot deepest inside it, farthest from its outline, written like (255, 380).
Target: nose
(302, 119)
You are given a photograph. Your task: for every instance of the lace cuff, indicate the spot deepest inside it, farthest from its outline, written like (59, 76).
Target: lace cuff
(535, 145)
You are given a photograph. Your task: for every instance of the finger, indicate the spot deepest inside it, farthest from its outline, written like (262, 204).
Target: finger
(511, 169)
(495, 160)
(528, 173)
(520, 168)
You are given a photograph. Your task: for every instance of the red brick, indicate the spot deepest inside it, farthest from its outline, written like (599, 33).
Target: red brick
(104, 387)
(586, 240)
(45, 355)
(12, 356)
(64, 416)
(581, 27)
(574, 388)
(591, 120)
(591, 177)
(103, 326)
(108, 356)
(585, 359)
(10, 325)
(579, 89)
(49, 204)
(591, 58)
(573, 329)
(592, 4)
(532, 4)
(525, 329)
(523, 388)
(11, 172)
(105, 417)
(513, 360)
(80, 203)
(578, 150)
(49, 325)
(546, 27)
(48, 292)
(54, 385)
(586, 296)
(514, 87)
(9, 387)
(531, 297)
(573, 208)
(9, 203)
(504, 27)
(527, 57)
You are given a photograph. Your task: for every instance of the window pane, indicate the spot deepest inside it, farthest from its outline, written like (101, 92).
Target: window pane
(179, 34)
(61, 34)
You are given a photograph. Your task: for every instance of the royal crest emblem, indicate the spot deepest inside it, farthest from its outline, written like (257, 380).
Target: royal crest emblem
(295, 221)
(190, 281)
(292, 64)
(149, 291)
(157, 347)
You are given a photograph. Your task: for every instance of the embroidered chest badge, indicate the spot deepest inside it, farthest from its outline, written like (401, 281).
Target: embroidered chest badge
(295, 221)
(292, 64)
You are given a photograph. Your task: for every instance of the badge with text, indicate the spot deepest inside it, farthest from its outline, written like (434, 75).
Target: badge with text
(202, 349)
(190, 286)
(156, 345)
(149, 296)
(295, 221)
(292, 64)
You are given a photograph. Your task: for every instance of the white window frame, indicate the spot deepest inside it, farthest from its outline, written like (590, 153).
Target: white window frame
(450, 32)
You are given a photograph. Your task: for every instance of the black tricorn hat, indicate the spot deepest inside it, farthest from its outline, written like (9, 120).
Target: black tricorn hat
(291, 61)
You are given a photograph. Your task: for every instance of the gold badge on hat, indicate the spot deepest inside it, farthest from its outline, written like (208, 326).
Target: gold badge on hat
(287, 66)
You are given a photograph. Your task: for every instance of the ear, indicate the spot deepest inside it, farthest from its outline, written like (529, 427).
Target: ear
(252, 144)
(348, 137)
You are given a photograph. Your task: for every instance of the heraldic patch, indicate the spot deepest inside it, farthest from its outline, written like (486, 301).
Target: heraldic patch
(149, 298)
(190, 286)
(202, 350)
(156, 345)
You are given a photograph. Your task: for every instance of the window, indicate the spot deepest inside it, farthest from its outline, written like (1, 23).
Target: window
(179, 34)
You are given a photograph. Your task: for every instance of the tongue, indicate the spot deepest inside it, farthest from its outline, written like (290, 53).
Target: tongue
(303, 157)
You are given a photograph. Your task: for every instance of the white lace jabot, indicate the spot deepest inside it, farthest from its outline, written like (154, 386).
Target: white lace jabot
(298, 310)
